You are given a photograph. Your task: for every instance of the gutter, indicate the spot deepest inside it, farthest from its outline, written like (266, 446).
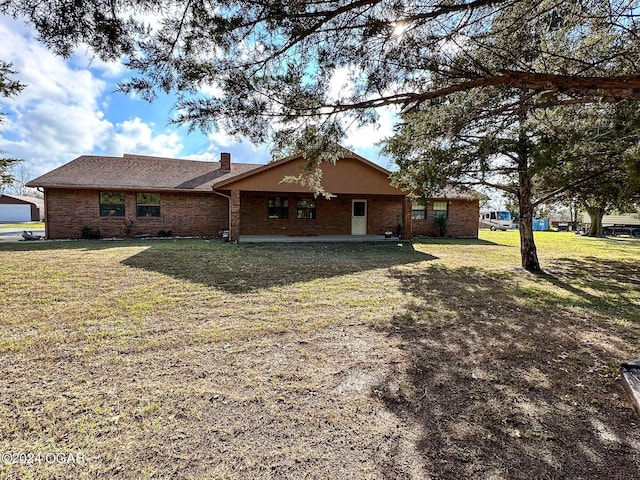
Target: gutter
(46, 211)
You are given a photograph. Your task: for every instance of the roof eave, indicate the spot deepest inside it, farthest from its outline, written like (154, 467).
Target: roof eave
(204, 189)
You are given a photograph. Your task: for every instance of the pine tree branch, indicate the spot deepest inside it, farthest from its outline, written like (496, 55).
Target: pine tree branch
(558, 191)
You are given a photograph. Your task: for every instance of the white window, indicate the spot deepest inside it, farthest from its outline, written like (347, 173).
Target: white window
(440, 209)
(418, 212)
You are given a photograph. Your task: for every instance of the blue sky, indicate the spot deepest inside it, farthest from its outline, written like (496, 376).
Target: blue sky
(70, 108)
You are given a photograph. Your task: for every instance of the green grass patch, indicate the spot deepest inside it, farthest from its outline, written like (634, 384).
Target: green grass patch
(26, 225)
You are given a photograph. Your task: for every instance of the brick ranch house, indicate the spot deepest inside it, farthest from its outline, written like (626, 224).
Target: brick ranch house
(137, 195)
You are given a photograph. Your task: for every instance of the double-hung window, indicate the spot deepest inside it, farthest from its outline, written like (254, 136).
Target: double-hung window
(418, 212)
(111, 204)
(440, 209)
(278, 207)
(148, 204)
(306, 208)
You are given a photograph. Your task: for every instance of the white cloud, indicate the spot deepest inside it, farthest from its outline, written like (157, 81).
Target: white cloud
(84, 59)
(341, 84)
(211, 90)
(360, 137)
(61, 112)
(47, 77)
(221, 138)
(368, 135)
(135, 136)
(56, 116)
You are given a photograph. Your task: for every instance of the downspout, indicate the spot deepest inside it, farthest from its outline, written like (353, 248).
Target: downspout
(46, 211)
(228, 197)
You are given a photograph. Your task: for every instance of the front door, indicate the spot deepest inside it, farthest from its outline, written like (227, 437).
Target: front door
(359, 217)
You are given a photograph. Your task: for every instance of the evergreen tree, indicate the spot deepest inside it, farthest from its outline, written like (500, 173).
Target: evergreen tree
(8, 88)
(272, 62)
(478, 138)
(594, 158)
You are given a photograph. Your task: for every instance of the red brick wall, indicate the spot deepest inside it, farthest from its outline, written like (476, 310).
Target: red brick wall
(407, 232)
(385, 213)
(185, 214)
(204, 214)
(333, 217)
(234, 212)
(462, 222)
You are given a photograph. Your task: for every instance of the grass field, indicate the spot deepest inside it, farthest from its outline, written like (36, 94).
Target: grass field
(25, 225)
(196, 359)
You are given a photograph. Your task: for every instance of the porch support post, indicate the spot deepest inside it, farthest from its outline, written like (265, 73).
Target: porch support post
(406, 218)
(234, 216)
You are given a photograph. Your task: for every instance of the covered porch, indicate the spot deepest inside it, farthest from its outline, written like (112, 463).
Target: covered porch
(362, 203)
(295, 215)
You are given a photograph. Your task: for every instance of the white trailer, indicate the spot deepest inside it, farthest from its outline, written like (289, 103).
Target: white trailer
(495, 219)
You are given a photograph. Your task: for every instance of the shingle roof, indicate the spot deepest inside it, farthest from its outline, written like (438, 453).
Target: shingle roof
(137, 172)
(140, 172)
(23, 198)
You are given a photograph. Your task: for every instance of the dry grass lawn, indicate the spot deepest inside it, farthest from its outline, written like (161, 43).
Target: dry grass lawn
(195, 359)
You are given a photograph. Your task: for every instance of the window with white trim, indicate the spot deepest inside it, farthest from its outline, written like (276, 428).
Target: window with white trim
(440, 209)
(418, 211)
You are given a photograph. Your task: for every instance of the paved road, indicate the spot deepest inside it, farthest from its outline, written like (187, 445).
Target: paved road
(15, 234)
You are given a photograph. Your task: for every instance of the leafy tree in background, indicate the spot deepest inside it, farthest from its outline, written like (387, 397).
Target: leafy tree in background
(535, 155)
(593, 160)
(481, 138)
(606, 198)
(22, 172)
(503, 138)
(8, 88)
(596, 158)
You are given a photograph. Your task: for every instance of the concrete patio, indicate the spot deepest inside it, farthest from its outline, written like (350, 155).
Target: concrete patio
(318, 238)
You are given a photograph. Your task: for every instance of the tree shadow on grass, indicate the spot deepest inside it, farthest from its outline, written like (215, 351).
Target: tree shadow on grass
(248, 267)
(454, 241)
(503, 386)
(36, 246)
(609, 287)
(607, 275)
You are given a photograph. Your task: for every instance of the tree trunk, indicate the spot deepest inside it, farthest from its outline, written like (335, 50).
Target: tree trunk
(573, 211)
(528, 251)
(595, 214)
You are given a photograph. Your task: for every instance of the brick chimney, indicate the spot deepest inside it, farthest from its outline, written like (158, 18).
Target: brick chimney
(225, 161)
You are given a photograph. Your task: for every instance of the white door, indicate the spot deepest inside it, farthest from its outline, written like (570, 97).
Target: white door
(15, 213)
(359, 217)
